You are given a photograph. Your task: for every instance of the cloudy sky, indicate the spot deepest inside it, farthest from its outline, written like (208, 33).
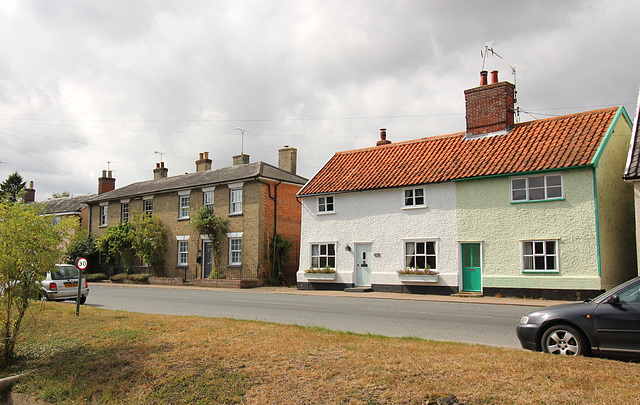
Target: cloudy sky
(90, 85)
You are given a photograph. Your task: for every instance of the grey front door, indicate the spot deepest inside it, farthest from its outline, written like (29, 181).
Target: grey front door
(363, 265)
(207, 259)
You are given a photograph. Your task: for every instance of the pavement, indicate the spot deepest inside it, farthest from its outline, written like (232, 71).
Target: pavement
(529, 302)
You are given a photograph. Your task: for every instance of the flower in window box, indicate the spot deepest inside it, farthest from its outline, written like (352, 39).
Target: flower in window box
(412, 270)
(326, 269)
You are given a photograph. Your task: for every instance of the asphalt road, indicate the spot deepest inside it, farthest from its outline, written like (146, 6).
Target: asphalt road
(448, 321)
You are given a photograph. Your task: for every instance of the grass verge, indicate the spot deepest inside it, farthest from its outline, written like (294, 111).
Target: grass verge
(121, 357)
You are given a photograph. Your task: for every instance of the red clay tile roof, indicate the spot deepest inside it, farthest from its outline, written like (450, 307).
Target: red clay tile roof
(554, 143)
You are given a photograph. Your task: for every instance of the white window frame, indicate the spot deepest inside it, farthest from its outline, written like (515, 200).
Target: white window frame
(320, 258)
(208, 196)
(411, 199)
(125, 211)
(104, 214)
(523, 184)
(539, 251)
(235, 199)
(147, 202)
(184, 203)
(326, 205)
(418, 253)
(183, 251)
(235, 251)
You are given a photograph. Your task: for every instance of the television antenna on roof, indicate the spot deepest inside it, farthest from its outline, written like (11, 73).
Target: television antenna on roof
(160, 153)
(242, 131)
(488, 48)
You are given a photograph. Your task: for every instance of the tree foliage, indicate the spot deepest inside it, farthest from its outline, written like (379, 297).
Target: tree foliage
(279, 249)
(29, 248)
(61, 195)
(149, 239)
(204, 222)
(117, 243)
(11, 189)
(83, 244)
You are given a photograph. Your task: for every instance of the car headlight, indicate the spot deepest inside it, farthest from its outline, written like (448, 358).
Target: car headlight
(524, 319)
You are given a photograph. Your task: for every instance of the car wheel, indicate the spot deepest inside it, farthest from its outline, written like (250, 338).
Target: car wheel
(44, 296)
(564, 340)
(83, 300)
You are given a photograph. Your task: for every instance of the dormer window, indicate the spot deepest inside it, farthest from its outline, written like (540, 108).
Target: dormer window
(326, 205)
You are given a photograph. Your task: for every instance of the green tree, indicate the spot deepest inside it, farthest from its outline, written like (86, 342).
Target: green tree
(279, 249)
(83, 244)
(117, 244)
(204, 222)
(150, 239)
(29, 248)
(11, 188)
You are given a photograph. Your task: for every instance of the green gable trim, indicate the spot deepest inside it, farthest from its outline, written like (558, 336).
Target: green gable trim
(622, 112)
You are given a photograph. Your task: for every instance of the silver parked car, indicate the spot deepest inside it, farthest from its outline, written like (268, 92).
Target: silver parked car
(62, 284)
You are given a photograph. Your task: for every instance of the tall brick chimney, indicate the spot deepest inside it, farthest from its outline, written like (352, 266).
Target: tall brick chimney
(160, 171)
(240, 159)
(29, 194)
(106, 182)
(383, 138)
(287, 159)
(489, 107)
(203, 163)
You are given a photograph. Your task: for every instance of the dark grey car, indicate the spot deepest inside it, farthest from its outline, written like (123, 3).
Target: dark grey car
(607, 325)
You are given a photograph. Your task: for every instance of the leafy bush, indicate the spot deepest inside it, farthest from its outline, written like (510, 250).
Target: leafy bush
(122, 277)
(119, 278)
(95, 277)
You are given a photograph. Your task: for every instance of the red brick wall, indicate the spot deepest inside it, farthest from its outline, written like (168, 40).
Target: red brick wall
(489, 108)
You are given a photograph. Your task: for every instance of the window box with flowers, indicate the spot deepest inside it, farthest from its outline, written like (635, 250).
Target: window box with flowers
(411, 274)
(320, 274)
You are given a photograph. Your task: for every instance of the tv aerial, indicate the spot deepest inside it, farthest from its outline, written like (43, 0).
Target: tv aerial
(242, 131)
(486, 49)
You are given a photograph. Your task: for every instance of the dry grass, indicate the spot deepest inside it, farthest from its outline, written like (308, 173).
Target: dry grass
(120, 357)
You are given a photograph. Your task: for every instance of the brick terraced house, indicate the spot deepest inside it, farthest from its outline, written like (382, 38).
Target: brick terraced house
(257, 199)
(535, 209)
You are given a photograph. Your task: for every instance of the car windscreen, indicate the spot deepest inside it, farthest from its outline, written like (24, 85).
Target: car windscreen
(64, 272)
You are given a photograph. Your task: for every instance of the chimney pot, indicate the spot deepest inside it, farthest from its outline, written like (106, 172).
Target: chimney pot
(494, 76)
(204, 163)
(383, 137)
(483, 78)
(106, 182)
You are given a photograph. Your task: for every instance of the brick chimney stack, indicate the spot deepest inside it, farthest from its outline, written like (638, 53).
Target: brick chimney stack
(106, 182)
(160, 171)
(29, 194)
(489, 107)
(240, 159)
(383, 138)
(287, 159)
(204, 163)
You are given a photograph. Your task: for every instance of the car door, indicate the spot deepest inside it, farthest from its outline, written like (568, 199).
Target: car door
(617, 321)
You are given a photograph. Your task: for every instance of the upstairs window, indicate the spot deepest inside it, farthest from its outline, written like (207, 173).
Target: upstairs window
(414, 198)
(540, 256)
(537, 188)
(125, 212)
(104, 215)
(235, 199)
(325, 205)
(323, 255)
(148, 208)
(208, 199)
(185, 201)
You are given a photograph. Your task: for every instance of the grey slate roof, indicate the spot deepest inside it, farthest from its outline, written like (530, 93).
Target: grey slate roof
(632, 171)
(201, 179)
(65, 205)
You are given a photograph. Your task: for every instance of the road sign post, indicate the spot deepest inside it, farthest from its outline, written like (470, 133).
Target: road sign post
(81, 264)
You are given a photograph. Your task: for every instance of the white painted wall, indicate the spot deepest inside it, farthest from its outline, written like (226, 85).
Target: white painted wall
(377, 217)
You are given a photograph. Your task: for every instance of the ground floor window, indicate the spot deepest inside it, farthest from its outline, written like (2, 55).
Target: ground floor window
(420, 255)
(183, 252)
(323, 255)
(540, 256)
(235, 251)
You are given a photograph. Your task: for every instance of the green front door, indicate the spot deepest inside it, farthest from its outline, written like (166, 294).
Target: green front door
(471, 269)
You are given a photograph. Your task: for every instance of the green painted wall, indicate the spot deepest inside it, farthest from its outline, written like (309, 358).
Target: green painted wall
(616, 210)
(486, 214)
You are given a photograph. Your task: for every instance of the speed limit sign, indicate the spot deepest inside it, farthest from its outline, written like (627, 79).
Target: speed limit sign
(82, 263)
